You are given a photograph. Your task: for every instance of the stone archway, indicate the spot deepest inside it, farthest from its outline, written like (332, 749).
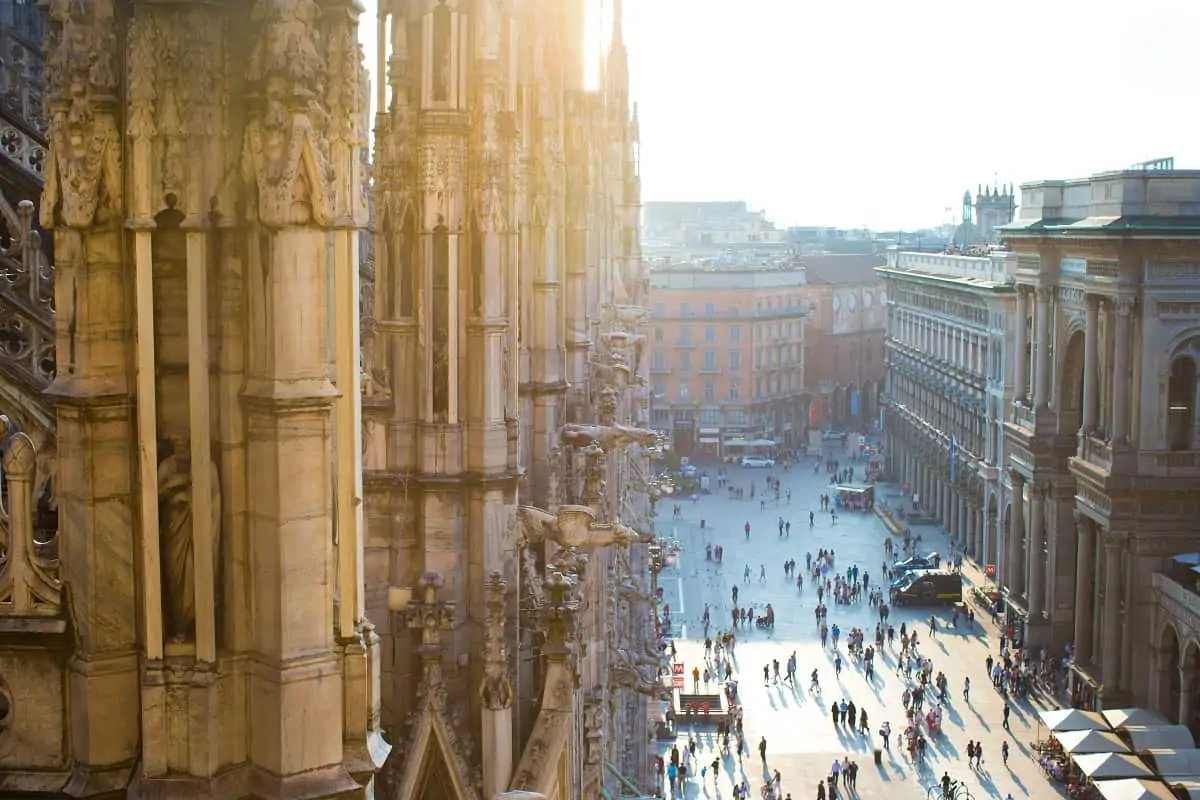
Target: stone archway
(1169, 656)
(1189, 687)
(988, 556)
(1070, 385)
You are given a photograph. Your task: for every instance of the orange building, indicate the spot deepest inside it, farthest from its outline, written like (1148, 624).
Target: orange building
(727, 357)
(844, 339)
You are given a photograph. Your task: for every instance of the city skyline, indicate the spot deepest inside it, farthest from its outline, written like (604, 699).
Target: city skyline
(912, 108)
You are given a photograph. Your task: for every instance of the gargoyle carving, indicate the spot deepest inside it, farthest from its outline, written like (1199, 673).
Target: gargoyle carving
(607, 436)
(635, 672)
(572, 526)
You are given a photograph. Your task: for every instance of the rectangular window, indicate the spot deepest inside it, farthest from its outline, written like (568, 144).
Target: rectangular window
(710, 310)
(685, 309)
(658, 334)
(735, 360)
(710, 333)
(710, 359)
(660, 309)
(685, 335)
(685, 391)
(710, 391)
(657, 390)
(685, 361)
(735, 390)
(660, 359)
(735, 333)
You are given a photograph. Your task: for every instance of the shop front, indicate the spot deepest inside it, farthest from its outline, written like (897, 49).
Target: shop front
(709, 443)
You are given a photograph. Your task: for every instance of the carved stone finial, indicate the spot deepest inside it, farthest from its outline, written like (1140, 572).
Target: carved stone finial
(429, 613)
(496, 689)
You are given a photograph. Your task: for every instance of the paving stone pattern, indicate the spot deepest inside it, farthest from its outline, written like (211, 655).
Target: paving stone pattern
(802, 740)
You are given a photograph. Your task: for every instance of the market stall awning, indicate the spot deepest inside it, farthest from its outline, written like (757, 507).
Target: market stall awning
(1091, 742)
(1106, 766)
(1172, 762)
(1134, 789)
(1159, 737)
(1072, 719)
(1132, 718)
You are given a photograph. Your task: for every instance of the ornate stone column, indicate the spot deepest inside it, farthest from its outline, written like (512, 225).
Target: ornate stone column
(1041, 383)
(496, 692)
(1036, 554)
(1014, 569)
(1091, 364)
(1187, 675)
(1122, 371)
(1111, 656)
(1085, 587)
(1021, 346)
(85, 205)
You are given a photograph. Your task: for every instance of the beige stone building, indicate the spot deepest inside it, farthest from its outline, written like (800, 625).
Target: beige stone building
(950, 323)
(1101, 439)
(246, 554)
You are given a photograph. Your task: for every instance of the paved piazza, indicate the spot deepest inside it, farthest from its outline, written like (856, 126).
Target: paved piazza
(802, 741)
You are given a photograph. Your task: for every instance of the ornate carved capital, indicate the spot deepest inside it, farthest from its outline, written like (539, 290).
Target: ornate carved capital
(1125, 304)
(1044, 294)
(83, 181)
(1114, 541)
(1092, 301)
(286, 153)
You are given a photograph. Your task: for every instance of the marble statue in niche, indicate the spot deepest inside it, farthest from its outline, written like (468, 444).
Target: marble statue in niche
(442, 53)
(440, 315)
(175, 509)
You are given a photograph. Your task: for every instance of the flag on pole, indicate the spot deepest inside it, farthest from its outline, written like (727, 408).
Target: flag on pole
(953, 455)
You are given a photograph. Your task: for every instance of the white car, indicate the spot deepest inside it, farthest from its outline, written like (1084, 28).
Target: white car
(757, 461)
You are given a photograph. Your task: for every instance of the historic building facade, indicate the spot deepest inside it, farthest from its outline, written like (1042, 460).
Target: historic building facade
(950, 321)
(727, 356)
(845, 362)
(1102, 433)
(246, 553)
(196, 601)
(505, 441)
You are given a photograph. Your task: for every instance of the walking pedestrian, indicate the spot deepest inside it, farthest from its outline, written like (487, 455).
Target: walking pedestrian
(1004, 753)
(1007, 712)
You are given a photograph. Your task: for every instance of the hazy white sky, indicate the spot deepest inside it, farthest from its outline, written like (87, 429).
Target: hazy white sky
(880, 113)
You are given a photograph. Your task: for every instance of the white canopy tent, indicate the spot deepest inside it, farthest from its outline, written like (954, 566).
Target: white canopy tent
(1134, 789)
(1106, 766)
(1091, 742)
(1072, 719)
(1159, 737)
(1133, 718)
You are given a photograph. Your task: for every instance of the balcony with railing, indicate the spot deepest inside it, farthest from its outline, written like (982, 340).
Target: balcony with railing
(997, 267)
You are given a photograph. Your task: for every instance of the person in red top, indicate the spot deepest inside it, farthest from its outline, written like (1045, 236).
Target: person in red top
(747, 530)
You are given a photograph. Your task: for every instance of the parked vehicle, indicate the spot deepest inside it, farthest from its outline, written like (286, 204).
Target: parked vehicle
(757, 461)
(928, 561)
(928, 588)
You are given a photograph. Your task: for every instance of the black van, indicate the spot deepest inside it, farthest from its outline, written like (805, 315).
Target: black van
(928, 588)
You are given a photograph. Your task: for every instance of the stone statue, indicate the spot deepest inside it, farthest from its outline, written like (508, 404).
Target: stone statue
(496, 690)
(572, 526)
(175, 508)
